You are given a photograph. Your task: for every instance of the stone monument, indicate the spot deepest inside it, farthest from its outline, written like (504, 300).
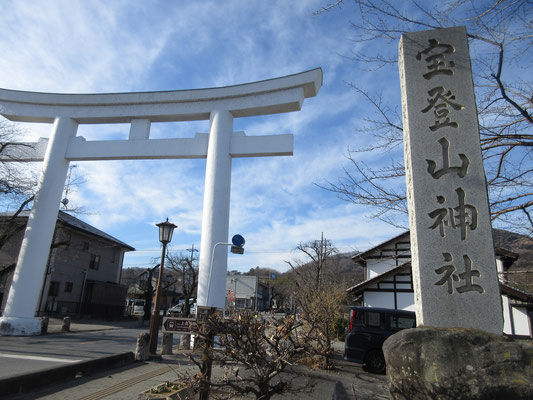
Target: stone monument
(454, 270)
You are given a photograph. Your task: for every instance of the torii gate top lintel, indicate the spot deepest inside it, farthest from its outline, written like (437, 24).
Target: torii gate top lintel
(277, 95)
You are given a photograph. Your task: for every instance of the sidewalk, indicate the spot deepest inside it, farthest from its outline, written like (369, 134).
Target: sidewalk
(128, 381)
(55, 325)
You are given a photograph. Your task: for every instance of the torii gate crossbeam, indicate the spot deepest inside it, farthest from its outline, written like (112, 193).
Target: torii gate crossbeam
(66, 111)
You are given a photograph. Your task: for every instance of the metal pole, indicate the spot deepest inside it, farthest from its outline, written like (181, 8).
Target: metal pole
(256, 289)
(154, 322)
(235, 297)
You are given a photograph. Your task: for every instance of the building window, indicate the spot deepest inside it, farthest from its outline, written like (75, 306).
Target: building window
(68, 287)
(54, 288)
(95, 262)
(85, 246)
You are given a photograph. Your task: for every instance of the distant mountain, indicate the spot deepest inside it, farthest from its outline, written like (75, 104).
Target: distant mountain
(340, 266)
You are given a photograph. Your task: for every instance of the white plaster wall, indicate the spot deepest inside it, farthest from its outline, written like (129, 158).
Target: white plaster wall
(403, 278)
(521, 321)
(506, 316)
(406, 301)
(403, 285)
(377, 267)
(379, 299)
(499, 266)
(245, 285)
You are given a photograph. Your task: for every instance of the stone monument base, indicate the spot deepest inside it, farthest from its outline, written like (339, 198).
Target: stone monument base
(431, 363)
(18, 326)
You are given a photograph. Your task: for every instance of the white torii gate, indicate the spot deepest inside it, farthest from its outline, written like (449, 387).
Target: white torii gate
(66, 111)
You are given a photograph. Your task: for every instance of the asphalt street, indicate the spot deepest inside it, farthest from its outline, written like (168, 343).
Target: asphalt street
(28, 354)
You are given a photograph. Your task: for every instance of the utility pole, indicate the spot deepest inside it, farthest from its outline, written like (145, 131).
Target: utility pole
(192, 250)
(188, 293)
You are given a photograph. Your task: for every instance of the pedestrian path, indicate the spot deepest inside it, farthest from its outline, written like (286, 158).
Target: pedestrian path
(128, 382)
(121, 383)
(55, 325)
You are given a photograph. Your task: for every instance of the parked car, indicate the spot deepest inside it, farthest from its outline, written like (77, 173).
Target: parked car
(367, 330)
(138, 307)
(178, 309)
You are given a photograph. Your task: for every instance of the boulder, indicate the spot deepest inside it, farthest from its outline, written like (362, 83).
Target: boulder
(437, 363)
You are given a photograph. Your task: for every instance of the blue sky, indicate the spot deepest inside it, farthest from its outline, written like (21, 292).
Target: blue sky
(122, 46)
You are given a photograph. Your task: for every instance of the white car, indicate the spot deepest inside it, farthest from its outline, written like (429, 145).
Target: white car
(178, 308)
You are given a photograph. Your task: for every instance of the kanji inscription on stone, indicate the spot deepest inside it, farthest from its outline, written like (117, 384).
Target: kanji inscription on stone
(454, 268)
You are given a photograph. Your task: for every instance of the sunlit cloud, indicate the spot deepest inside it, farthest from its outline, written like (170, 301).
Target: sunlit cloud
(96, 46)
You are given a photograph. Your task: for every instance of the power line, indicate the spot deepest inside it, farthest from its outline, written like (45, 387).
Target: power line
(247, 251)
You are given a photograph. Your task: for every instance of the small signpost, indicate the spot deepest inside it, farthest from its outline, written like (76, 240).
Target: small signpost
(181, 325)
(237, 244)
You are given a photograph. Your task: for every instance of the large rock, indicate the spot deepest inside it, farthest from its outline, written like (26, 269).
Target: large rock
(436, 363)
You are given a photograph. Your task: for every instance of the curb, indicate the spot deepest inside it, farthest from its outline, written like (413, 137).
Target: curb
(25, 382)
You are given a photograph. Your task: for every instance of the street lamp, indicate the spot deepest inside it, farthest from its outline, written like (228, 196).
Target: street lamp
(165, 236)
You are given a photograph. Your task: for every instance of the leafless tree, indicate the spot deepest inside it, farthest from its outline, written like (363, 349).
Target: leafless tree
(16, 185)
(319, 294)
(18, 181)
(312, 269)
(186, 268)
(255, 355)
(500, 34)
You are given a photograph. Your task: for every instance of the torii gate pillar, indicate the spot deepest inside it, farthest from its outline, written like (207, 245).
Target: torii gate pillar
(218, 105)
(21, 305)
(215, 219)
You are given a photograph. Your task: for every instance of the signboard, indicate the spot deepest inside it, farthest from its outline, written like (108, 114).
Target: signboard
(237, 250)
(183, 325)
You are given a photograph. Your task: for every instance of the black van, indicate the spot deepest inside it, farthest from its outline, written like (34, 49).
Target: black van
(368, 328)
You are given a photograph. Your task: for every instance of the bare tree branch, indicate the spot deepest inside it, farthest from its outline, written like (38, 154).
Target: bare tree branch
(504, 93)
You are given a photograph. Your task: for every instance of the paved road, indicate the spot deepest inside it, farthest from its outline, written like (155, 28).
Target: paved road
(27, 354)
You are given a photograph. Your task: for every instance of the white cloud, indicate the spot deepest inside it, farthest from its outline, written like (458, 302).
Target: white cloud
(97, 46)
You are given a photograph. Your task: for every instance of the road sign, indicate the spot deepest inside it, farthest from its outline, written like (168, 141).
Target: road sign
(238, 240)
(183, 325)
(237, 250)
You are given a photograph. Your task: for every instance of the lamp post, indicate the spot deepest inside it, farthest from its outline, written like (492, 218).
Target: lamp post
(165, 236)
